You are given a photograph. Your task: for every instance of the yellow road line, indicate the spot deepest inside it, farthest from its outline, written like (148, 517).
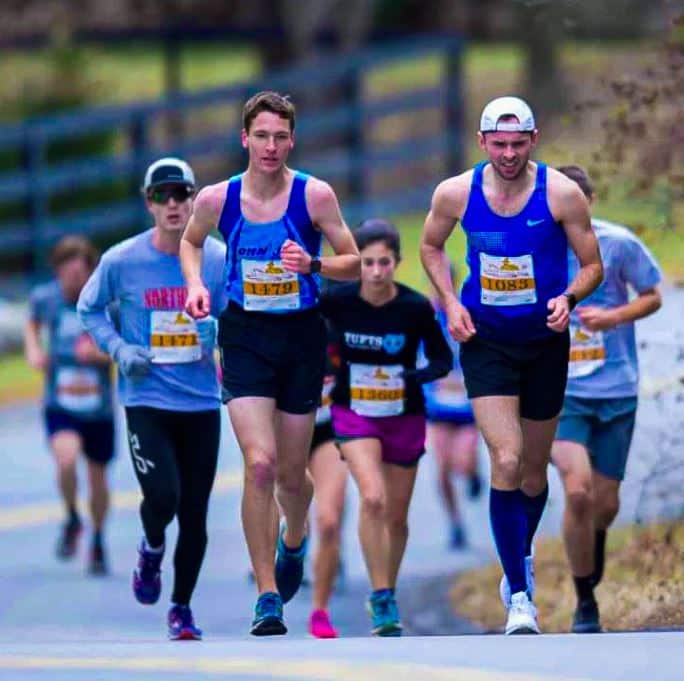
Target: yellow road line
(30, 515)
(302, 670)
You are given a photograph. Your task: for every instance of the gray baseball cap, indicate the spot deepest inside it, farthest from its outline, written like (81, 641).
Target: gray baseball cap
(169, 170)
(507, 106)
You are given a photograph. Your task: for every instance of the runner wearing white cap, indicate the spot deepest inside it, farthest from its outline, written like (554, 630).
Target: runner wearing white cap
(512, 318)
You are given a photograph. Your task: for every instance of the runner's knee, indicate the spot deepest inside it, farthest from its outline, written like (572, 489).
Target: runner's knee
(506, 466)
(163, 503)
(606, 508)
(373, 504)
(260, 471)
(534, 483)
(292, 480)
(328, 528)
(579, 500)
(66, 450)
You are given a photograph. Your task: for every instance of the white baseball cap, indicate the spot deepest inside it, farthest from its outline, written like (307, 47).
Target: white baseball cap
(507, 106)
(169, 170)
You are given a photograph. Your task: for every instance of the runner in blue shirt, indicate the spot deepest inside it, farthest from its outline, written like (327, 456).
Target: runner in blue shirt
(596, 424)
(77, 397)
(512, 318)
(452, 434)
(272, 336)
(167, 382)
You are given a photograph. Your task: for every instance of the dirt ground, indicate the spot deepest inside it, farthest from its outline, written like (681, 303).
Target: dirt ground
(643, 586)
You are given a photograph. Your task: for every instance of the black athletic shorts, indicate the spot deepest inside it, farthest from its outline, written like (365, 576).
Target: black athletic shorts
(323, 432)
(537, 372)
(97, 436)
(273, 355)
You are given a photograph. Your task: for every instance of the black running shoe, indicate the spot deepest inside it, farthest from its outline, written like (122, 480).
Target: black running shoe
(586, 619)
(98, 561)
(474, 486)
(67, 545)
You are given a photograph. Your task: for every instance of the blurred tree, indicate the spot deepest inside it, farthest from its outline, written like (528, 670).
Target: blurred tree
(538, 27)
(348, 22)
(641, 117)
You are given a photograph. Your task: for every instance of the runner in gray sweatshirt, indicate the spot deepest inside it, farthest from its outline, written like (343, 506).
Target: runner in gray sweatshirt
(167, 382)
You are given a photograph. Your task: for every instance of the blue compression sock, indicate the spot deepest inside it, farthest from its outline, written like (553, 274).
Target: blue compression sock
(534, 508)
(509, 527)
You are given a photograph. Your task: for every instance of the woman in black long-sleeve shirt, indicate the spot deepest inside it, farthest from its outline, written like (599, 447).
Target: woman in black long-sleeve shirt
(378, 409)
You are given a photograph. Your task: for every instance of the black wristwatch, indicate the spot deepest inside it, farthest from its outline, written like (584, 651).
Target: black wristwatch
(315, 265)
(572, 300)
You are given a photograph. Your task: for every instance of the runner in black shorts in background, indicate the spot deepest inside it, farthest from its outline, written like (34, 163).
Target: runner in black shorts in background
(272, 337)
(78, 393)
(329, 475)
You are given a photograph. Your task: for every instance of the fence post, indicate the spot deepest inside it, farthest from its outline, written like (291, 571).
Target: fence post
(139, 151)
(33, 153)
(454, 108)
(356, 141)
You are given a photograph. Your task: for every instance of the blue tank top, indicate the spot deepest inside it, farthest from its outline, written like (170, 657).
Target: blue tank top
(516, 264)
(256, 279)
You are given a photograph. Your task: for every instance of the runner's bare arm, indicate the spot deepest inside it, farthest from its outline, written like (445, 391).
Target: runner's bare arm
(205, 216)
(33, 349)
(87, 351)
(325, 213)
(570, 207)
(448, 204)
(601, 319)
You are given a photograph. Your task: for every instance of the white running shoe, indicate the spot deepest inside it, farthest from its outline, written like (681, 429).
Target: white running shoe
(504, 586)
(522, 616)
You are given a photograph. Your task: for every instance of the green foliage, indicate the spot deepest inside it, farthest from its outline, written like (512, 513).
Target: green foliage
(61, 85)
(642, 140)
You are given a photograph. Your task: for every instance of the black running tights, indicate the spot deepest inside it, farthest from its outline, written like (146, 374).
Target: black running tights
(174, 456)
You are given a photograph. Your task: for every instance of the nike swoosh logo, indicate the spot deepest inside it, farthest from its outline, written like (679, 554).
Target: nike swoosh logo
(532, 223)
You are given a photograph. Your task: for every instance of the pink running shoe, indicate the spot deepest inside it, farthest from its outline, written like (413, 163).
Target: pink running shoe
(320, 625)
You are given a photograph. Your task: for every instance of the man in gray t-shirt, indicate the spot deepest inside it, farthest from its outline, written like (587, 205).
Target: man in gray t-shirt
(597, 421)
(77, 399)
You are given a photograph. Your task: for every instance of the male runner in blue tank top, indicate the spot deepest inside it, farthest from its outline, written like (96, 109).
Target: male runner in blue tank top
(271, 335)
(512, 318)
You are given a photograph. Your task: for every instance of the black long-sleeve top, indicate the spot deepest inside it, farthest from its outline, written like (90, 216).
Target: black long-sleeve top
(370, 338)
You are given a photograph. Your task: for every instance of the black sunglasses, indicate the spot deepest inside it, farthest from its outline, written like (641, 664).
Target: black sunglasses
(177, 192)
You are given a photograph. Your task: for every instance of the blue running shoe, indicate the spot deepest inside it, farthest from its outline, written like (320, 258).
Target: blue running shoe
(289, 567)
(147, 576)
(182, 625)
(457, 537)
(268, 616)
(384, 613)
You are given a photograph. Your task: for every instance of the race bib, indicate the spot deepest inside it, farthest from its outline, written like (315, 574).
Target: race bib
(78, 389)
(173, 337)
(323, 412)
(376, 390)
(587, 352)
(507, 280)
(267, 286)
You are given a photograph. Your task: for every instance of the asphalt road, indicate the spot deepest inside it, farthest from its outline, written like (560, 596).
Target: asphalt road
(57, 623)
